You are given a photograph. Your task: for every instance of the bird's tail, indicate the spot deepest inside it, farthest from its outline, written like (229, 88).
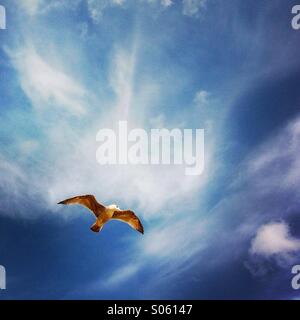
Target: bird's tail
(96, 227)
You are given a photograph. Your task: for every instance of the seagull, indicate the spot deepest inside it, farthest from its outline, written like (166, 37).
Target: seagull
(105, 213)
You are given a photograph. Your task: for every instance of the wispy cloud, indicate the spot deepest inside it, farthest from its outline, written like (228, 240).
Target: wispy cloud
(119, 276)
(46, 85)
(49, 87)
(167, 249)
(13, 185)
(275, 165)
(122, 79)
(166, 3)
(202, 98)
(31, 6)
(193, 7)
(68, 165)
(35, 7)
(270, 183)
(96, 8)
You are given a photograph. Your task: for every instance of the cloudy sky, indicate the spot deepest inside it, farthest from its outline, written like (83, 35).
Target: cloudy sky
(69, 68)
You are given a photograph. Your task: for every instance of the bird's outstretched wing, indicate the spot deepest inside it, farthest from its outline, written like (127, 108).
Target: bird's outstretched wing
(130, 218)
(88, 201)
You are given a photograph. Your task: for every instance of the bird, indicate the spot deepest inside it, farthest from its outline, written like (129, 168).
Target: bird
(105, 213)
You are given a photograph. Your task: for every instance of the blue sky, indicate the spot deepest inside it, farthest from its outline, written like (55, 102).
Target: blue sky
(70, 68)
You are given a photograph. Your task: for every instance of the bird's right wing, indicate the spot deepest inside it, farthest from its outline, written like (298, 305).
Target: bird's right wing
(88, 201)
(130, 218)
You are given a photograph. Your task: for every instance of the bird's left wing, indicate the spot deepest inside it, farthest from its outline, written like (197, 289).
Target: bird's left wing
(89, 201)
(130, 218)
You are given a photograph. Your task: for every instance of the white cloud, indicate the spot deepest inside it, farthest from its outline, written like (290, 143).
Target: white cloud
(193, 7)
(96, 7)
(66, 164)
(69, 167)
(120, 275)
(28, 146)
(14, 187)
(280, 151)
(37, 7)
(166, 3)
(201, 98)
(165, 241)
(274, 239)
(46, 85)
(118, 2)
(165, 246)
(122, 78)
(31, 6)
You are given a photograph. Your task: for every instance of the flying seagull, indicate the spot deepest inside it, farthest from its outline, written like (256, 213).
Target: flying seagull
(104, 214)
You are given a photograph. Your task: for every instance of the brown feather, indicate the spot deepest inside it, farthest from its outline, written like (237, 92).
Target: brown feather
(130, 218)
(88, 201)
